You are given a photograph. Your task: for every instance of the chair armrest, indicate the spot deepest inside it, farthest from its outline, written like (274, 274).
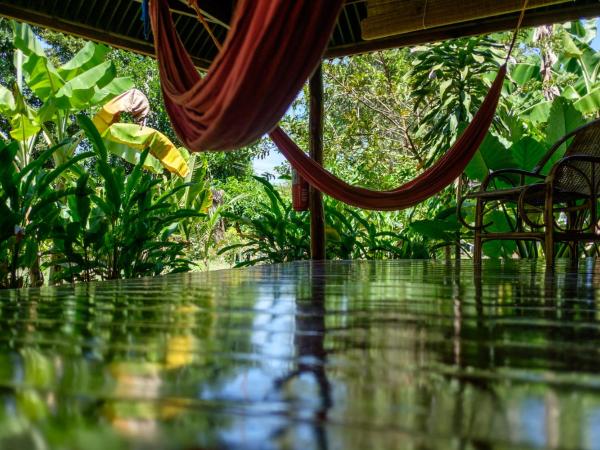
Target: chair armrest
(502, 173)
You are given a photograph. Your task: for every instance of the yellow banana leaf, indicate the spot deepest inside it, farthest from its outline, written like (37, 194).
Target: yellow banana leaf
(140, 138)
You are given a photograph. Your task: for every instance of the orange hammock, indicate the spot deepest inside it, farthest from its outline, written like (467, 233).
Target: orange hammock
(270, 50)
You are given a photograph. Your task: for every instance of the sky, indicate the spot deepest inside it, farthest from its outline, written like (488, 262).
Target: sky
(275, 159)
(596, 43)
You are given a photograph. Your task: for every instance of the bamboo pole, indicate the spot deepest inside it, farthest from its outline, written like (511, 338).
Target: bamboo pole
(393, 17)
(317, 215)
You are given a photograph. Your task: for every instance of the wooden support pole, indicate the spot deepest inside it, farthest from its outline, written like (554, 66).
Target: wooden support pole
(317, 215)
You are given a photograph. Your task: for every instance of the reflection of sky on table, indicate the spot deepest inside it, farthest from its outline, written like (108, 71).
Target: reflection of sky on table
(337, 355)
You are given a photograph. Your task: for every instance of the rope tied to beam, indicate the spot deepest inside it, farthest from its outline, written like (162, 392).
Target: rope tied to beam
(516, 33)
(194, 5)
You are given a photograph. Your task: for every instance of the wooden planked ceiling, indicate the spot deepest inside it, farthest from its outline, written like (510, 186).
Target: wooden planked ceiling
(118, 23)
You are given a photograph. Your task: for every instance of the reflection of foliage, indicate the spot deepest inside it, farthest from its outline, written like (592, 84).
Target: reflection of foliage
(170, 362)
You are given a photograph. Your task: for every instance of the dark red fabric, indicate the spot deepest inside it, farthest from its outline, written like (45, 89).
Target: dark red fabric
(433, 180)
(273, 46)
(271, 49)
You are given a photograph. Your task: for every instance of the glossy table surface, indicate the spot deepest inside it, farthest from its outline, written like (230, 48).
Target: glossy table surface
(336, 355)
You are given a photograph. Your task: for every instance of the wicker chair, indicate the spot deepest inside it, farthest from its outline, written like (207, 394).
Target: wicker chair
(558, 207)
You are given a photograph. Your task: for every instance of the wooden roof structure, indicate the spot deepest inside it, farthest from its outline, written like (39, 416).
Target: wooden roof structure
(363, 25)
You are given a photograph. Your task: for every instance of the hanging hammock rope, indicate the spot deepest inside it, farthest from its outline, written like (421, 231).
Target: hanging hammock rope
(270, 51)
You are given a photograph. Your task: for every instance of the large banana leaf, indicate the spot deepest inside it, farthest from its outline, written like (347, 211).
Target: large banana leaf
(24, 120)
(110, 90)
(563, 119)
(86, 80)
(492, 155)
(40, 74)
(7, 100)
(525, 72)
(78, 92)
(140, 138)
(90, 56)
(589, 103)
(23, 127)
(132, 155)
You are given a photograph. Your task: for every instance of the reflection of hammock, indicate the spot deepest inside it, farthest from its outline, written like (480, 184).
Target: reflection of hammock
(270, 51)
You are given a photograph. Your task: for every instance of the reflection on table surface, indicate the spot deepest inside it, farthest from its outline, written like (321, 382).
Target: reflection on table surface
(335, 355)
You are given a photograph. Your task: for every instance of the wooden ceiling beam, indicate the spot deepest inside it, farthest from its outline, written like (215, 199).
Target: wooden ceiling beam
(394, 17)
(492, 25)
(107, 37)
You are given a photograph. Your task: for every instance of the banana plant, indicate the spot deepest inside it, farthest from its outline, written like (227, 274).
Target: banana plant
(85, 81)
(128, 140)
(575, 73)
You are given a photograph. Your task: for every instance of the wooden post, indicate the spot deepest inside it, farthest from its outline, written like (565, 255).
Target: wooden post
(317, 216)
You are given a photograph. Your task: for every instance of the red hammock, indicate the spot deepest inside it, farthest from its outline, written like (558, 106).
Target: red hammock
(270, 51)
(445, 170)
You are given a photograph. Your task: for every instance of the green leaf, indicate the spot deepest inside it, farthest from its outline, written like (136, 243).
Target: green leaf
(570, 48)
(92, 134)
(563, 119)
(539, 113)
(500, 224)
(117, 86)
(525, 72)
(79, 91)
(7, 101)
(82, 203)
(590, 103)
(527, 152)
(492, 155)
(435, 229)
(134, 177)
(87, 58)
(140, 138)
(23, 127)
(40, 75)
(132, 155)
(49, 177)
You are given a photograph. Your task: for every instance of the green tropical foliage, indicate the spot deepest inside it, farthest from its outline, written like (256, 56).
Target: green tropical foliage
(123, 231)
(29, 206)
(57, 93)
(389, 115)
(278, 233)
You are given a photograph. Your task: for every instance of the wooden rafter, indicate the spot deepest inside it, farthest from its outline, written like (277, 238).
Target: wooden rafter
(117, 23)
(84, 31)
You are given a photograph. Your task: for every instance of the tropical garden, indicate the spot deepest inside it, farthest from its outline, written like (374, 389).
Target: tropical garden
(95, 185)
